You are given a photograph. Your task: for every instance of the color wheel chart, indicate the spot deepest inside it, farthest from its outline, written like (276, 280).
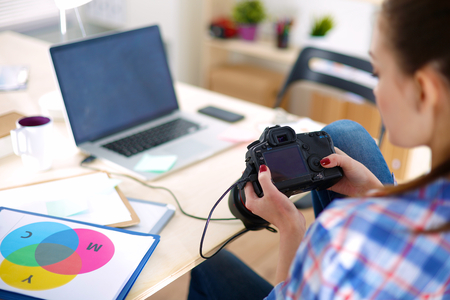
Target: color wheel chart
(46, 255)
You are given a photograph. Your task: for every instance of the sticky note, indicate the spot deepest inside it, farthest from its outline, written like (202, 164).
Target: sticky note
(156, 163)
(237, 134)
(66, 207)
(109, 185)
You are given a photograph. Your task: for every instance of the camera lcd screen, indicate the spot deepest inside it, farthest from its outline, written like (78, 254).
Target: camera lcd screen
(285, 163)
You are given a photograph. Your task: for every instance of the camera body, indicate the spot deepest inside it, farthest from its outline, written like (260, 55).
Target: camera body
(294, 162)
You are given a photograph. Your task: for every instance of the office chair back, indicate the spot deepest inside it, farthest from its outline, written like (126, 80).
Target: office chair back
(302, 71)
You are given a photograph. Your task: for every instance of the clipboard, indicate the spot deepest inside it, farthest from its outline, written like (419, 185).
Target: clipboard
(134, 217)
(109, 260)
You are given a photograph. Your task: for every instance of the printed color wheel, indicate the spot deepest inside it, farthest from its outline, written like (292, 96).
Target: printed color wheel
(46, 255)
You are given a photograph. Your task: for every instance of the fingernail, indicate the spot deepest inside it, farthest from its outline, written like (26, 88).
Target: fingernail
(325, 161)
(262, 168)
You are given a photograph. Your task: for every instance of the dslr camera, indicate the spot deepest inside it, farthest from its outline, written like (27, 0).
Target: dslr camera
(294, 162)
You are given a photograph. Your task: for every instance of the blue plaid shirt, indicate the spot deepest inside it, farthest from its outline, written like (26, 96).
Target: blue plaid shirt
(367, 249)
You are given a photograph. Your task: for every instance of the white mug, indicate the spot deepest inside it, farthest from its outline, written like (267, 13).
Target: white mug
(32, 140)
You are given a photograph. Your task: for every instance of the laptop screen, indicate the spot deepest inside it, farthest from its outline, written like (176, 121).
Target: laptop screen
(114, 82)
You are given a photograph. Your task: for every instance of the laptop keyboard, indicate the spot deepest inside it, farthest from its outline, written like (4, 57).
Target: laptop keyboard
(152, 137)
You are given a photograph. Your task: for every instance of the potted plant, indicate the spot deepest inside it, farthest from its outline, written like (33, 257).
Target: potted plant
(247, 14)
(322, 25)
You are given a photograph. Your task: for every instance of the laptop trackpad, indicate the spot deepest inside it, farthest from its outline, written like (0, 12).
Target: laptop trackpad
(187, 149)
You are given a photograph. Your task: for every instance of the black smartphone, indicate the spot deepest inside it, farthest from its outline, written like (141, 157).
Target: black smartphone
(221, 114)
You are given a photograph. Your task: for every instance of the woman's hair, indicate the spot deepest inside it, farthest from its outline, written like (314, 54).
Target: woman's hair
(417, 31)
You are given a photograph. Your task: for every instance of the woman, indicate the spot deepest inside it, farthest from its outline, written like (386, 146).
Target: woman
(387, 241)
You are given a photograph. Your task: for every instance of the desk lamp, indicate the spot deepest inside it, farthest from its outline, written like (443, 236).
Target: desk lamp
(63, 5)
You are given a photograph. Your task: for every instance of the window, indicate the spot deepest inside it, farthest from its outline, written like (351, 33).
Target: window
(15, 13)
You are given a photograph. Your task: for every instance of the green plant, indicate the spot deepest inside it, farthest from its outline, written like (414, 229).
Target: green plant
(249, 12)
(322, 25)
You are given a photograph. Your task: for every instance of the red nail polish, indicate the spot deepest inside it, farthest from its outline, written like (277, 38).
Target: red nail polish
(325, 161)
(262, 168)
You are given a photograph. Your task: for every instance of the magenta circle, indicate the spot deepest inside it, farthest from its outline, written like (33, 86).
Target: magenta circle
(95, 249)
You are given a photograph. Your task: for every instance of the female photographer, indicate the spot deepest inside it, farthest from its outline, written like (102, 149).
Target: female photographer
(384, 241)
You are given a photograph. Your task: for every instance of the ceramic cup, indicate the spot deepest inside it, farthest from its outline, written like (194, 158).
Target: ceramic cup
(32, 140)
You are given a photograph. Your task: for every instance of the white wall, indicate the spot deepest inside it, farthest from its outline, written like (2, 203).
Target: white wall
(354, 20)
(180, 24)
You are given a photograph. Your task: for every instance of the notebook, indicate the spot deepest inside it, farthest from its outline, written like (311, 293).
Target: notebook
(119, 85)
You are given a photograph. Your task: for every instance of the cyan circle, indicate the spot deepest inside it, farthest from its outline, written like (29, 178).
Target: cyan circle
(28, 235)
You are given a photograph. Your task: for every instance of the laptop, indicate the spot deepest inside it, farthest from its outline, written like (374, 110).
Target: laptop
(117, 90)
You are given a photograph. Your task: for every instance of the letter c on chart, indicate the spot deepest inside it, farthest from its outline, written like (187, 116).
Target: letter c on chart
(29, 235)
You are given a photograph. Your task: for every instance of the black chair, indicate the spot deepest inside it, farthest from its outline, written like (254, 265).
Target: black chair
(302, 71)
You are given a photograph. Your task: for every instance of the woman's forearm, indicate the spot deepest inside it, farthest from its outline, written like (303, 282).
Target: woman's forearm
(290, 238)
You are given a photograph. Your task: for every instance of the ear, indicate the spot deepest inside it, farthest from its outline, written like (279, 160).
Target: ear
(430, 86)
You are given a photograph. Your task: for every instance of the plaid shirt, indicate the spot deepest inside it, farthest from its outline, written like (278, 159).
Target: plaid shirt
(366, 249)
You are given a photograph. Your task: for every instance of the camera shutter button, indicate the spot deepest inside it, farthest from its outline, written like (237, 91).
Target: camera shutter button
(253, 144)
(305, 146)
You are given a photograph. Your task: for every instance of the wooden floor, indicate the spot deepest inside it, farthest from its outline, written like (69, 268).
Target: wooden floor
(258, 249)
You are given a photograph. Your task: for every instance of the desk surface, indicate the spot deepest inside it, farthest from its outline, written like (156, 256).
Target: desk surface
(197, 187)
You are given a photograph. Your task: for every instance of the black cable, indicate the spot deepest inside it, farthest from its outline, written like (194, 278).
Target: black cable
(91, 158)
(209, 218)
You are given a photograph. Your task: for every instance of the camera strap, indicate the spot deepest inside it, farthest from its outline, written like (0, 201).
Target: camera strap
(247, 176)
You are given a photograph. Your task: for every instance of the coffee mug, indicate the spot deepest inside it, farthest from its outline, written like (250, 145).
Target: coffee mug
(32, 140)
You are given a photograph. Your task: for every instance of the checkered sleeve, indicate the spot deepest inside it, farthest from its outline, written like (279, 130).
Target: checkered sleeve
(367, 249)
(316, 238)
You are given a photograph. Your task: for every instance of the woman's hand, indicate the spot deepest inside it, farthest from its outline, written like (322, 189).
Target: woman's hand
(357, 180)
(274, 206)
(277, 209)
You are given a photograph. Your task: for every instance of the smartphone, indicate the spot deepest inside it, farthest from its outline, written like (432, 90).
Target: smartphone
(221, 114)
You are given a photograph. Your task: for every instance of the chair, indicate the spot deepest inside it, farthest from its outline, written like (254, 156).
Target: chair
(302, 71)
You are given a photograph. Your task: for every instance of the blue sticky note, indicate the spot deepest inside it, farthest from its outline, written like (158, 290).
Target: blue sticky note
(156, 163)
(66, 207)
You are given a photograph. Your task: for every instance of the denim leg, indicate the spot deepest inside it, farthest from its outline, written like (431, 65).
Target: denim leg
(357, 143)
(225, 277)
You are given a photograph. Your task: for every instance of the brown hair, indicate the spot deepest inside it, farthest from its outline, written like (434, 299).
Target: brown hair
(417, 32)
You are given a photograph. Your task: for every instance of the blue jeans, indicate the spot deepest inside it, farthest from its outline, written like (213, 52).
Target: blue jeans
(226, 277)
(357, 143)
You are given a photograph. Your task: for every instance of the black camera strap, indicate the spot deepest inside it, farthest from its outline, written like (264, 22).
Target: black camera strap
(247, 176)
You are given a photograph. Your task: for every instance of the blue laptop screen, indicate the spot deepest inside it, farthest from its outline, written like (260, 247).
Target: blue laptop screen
(114, 82)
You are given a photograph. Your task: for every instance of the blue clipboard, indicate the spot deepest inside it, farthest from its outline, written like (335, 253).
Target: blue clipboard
(7, 294)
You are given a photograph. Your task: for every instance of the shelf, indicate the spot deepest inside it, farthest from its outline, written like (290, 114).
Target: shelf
(260, 49)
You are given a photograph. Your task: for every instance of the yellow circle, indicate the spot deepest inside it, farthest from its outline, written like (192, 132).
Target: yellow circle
(31, 278)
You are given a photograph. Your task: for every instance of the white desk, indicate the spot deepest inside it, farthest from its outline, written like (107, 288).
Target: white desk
(197, 187)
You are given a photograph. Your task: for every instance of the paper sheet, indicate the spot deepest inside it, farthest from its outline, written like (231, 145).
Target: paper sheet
(105, 258)
(96, 191)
